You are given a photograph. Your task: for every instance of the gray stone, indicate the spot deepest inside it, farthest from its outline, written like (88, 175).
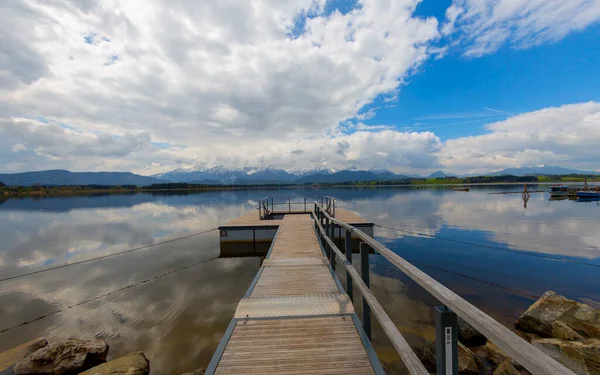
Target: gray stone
(468, 335)
(491, 353)
(558, 317)
(506, 368)
(63, 357)
(132, 364)
(582, 357)
(40, 343)
(468, 363)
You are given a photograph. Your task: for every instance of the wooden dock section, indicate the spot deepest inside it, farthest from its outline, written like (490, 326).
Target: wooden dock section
(296, 317)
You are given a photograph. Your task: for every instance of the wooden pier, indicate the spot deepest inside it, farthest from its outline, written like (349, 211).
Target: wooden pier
(297, 318)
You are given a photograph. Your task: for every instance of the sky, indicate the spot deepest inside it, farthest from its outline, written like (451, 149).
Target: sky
(464, 86)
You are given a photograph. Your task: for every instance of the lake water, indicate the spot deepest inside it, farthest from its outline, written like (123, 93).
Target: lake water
(486, 247)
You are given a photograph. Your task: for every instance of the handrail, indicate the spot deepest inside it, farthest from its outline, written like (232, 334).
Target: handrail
(410, 359)
(527, 355)
(267, 205)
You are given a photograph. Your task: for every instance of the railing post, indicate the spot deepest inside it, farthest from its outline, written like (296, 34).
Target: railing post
(290, 205)
(349, 259)
(304, 204)
(446, 341)
(364, 272)
(260, 210)
(328, 251)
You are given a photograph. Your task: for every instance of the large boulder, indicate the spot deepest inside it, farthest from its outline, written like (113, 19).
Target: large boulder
(132, 364)
(468, 363)
(554, 316)
(14, 355)
(468, 335)
(63, 357)
(582, 357)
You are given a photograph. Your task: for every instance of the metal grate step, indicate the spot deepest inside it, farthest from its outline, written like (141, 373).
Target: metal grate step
(307, 305)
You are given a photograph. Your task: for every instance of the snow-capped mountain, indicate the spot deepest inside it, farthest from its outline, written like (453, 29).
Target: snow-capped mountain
(237, 175)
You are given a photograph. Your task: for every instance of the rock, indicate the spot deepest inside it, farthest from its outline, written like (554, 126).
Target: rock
(468, 335)
(556, 316)
(582, 357)
(40, 343)
(491, 353)
(468, 363)
(561, 331)
(64, 357)
(14, 355)
(132, 364)
(197, 372)
(527, 336)
(506, 368)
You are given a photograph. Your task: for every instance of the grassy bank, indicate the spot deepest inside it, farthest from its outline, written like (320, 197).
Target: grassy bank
(52, 191)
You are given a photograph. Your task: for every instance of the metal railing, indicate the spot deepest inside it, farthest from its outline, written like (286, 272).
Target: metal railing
(528, 356)
(269, 206)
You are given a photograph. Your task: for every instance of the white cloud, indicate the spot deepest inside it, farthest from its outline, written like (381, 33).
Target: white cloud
(149, 88)
(568, 136)
(19, 147)
(227, 81)
(483, 26)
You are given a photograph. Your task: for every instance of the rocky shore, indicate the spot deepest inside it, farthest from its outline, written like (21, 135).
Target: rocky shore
(72, 356)
(566, 330)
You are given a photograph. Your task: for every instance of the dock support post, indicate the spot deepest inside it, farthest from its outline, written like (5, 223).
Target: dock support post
(290, 205)
(327, 229)
(446, 341)
(349, 259)
(364, 272)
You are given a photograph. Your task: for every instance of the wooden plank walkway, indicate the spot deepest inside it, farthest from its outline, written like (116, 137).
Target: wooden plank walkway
(295, 318)
(252, 219)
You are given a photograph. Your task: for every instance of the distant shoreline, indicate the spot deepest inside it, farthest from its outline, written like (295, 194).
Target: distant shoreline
(7, 192)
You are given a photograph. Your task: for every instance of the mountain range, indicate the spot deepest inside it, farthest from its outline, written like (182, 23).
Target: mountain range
(63, 177)
(246, 176)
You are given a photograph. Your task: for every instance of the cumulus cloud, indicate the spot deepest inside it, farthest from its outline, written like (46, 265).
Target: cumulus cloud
(201, 74)
(568, 135)
(99, 85)
(483, 26)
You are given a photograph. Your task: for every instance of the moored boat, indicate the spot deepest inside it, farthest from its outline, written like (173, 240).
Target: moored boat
(462, 189)
(588, 194)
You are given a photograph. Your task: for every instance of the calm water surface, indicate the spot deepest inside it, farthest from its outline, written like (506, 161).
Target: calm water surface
(487, 248)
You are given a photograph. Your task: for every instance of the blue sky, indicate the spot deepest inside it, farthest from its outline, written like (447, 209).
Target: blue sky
(456, 96)
(465, 86)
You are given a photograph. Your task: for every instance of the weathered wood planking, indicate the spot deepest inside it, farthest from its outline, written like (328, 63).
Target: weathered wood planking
(296, 239)
(328, 345)
(294, 319)
(252, 219)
